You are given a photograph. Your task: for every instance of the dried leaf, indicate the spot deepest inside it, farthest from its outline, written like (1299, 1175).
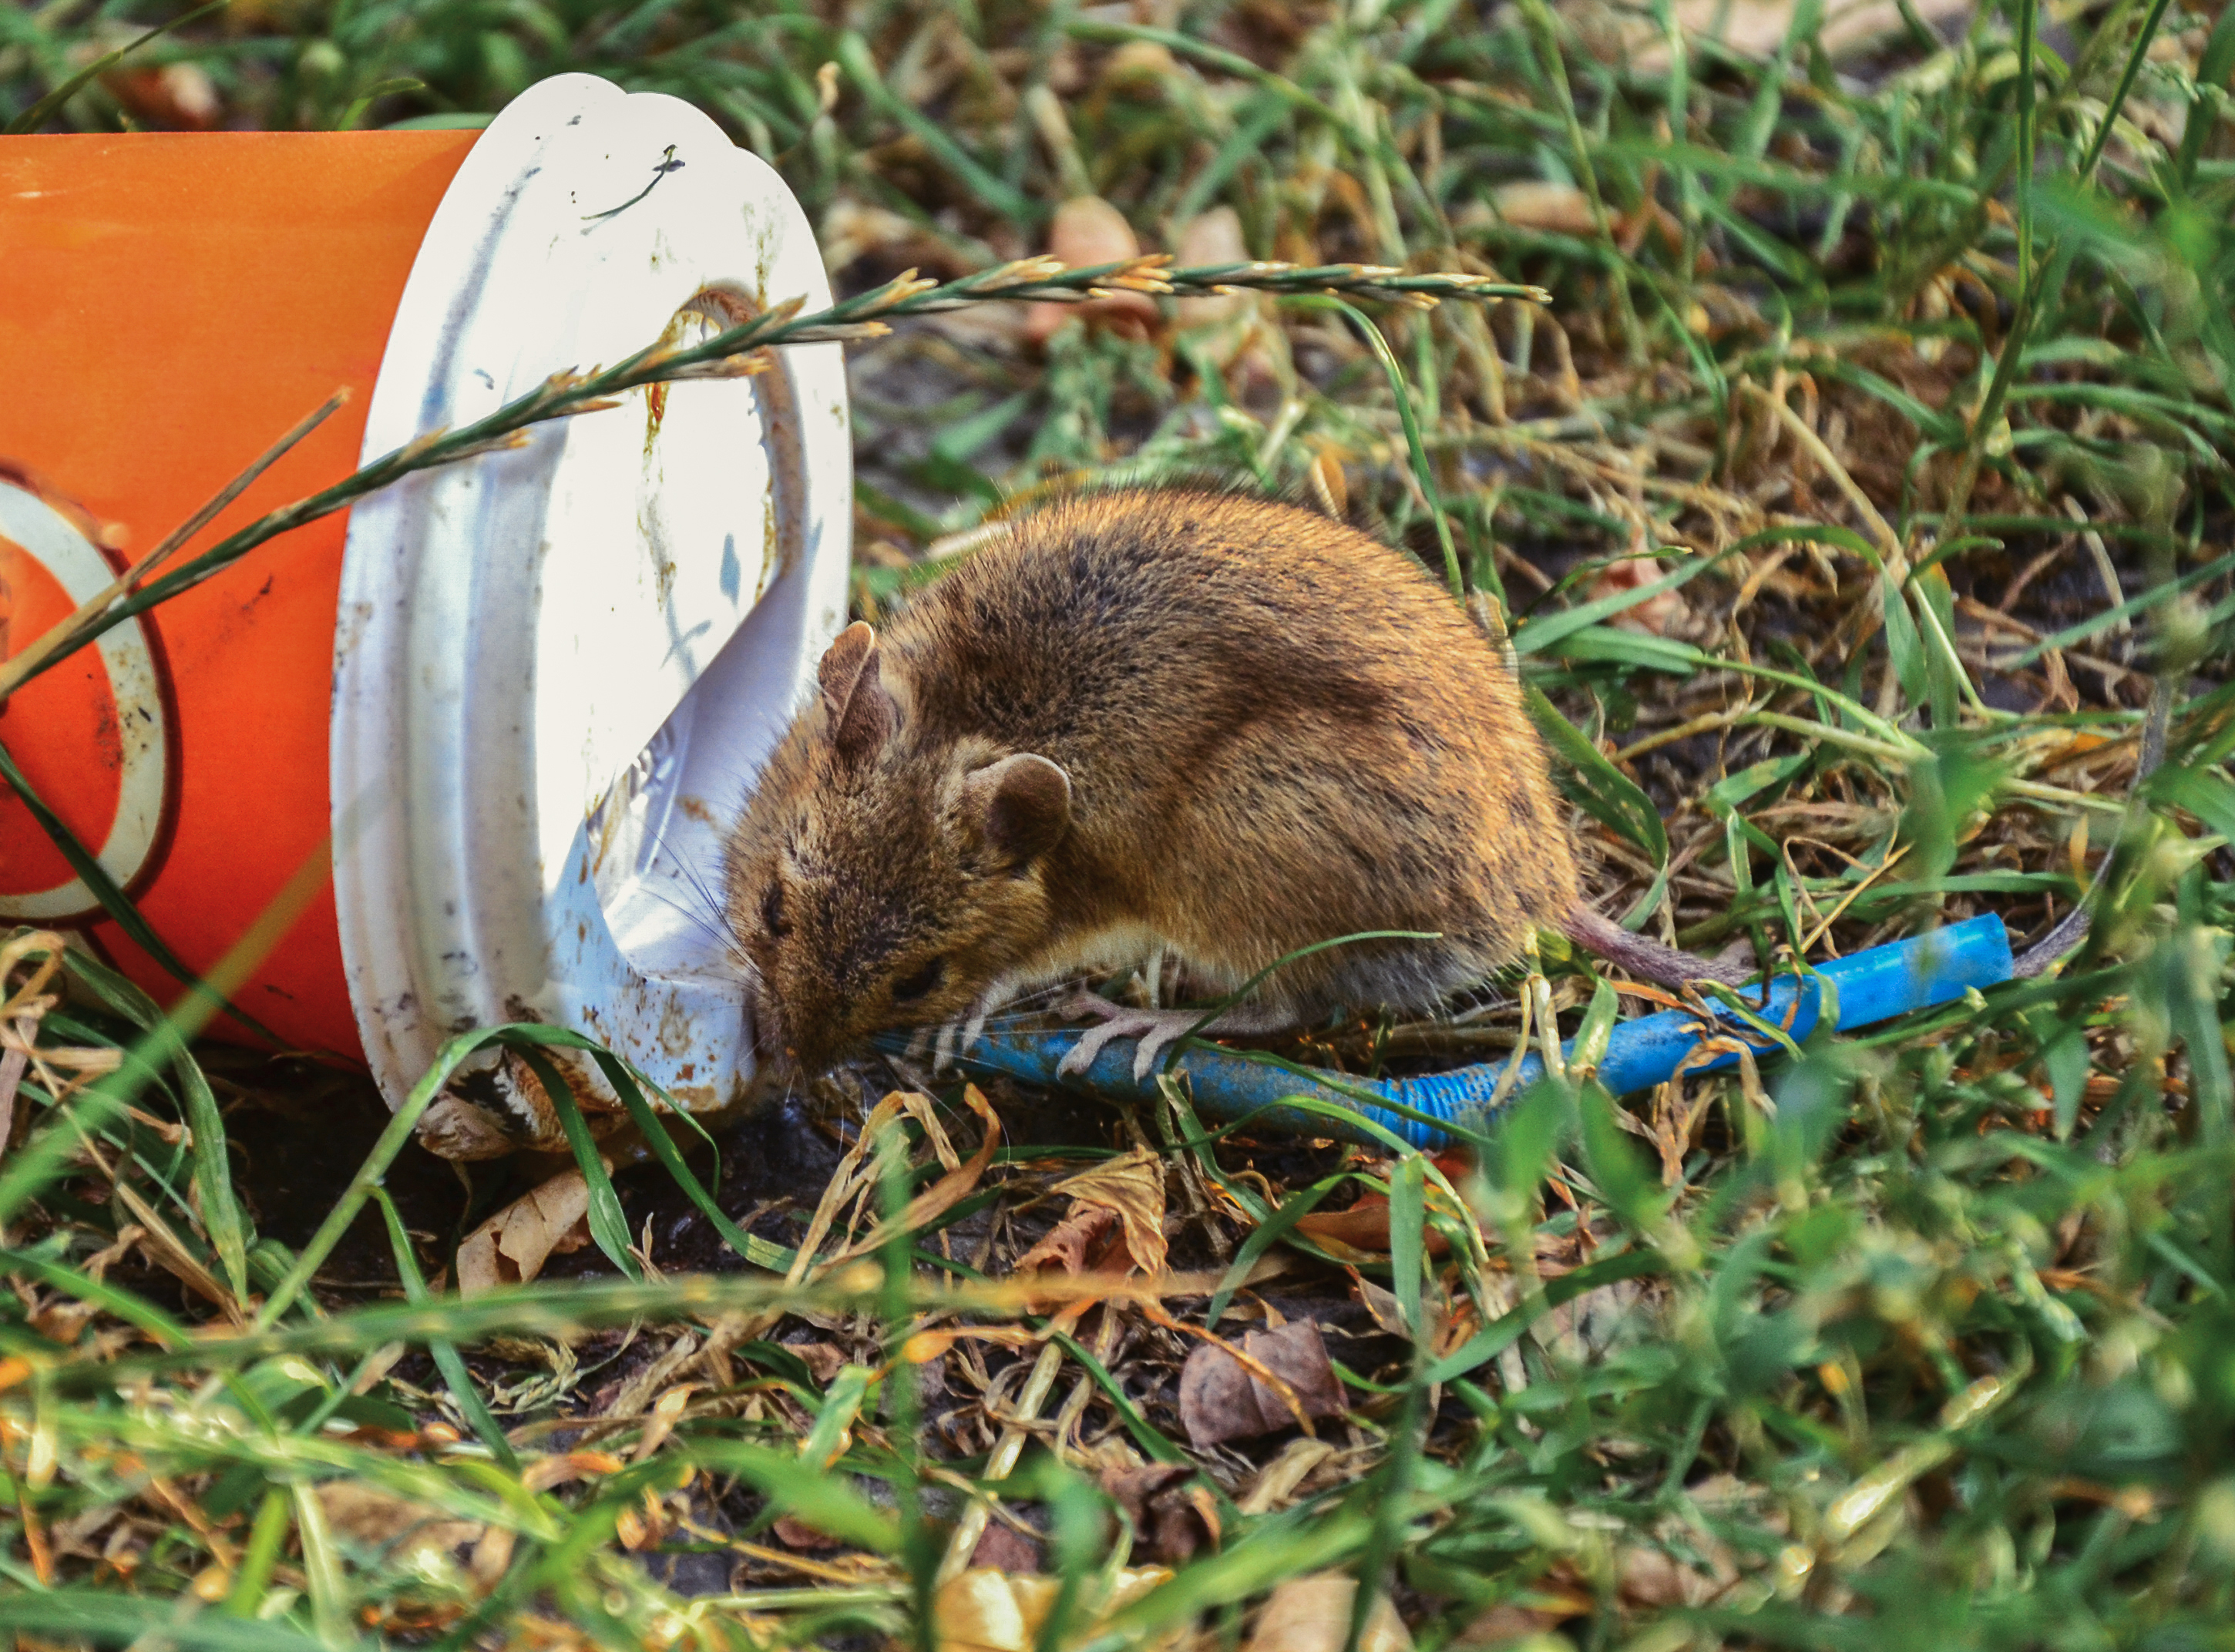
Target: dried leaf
(1132, 1189)
(1222, 1399)
(1364, 1228)
(1131, 1487)
(661, 1423)
(1005, 1548)
(1650, 1576)
(1755, 28)
(1205, 242)
(172, 1255)
(1655, 614)
(797, 1534)
(492, 1557)
(934, 1202)
(824, 1359)
(1506, 1623)
(547, 1471)
(1066, 1246)
(1329, 486)
(1088, 231)
(983, 1610)
(512, 1246)
(1141, 66)
(1382, 1304)
(1561, 209)
(177, 97)
(1312, 1614)
(455, 1128)
(404, 1530)
(1172, 1516)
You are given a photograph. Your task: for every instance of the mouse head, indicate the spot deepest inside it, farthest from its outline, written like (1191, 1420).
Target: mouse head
(885, 874)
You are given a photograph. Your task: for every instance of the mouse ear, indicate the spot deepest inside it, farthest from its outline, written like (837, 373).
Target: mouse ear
(841, 666)
(1021, 806)
(861, 712)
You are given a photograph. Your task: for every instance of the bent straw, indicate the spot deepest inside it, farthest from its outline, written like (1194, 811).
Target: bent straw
(1869, 986)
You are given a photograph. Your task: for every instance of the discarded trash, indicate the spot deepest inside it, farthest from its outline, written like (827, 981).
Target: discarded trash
(489, 699)
(1871, 986)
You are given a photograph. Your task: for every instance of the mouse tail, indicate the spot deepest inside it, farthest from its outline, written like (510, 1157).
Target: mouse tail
(1642, 956)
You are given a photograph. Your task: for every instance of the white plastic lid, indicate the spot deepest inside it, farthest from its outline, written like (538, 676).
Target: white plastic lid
(557, 670)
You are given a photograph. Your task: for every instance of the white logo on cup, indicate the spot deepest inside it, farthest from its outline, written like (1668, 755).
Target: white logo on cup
(50, 539)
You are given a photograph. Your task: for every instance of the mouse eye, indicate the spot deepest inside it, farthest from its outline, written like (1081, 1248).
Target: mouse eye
(924, 982)
(772, 911)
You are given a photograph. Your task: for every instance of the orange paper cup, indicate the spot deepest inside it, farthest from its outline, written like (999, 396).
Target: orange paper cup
(176, 303)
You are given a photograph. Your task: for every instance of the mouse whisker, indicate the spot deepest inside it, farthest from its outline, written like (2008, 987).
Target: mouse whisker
(714, 918)
(733, 953)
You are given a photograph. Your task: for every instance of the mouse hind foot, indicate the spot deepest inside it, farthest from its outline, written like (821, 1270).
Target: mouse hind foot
(1156, 1029)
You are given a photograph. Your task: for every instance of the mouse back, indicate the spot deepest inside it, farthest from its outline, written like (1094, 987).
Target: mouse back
(1207, 722)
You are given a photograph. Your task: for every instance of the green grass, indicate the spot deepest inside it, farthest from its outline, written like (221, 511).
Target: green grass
(1923, 1340)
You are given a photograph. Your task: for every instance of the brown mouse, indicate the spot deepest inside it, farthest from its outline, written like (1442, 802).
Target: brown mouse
(1210, 723)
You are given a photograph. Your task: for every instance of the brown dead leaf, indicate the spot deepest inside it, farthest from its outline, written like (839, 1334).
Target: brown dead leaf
(984, 1610)
(512, 1246)
(455, 1128)
(544, 1473)
(177, 97)
(824, 1359)
(1653, 615)
(1222, 1399)
(1142, 67)
(492, 1557)
(1088, 231)
(1381, 1303)
(402, 1528)
(797, 1534)
(1312, 1614)
(1132, 1189)
(1087, 1232)
(1752, 28)
(934, 1202)
(1172, 1516)
(1506, 1623)
(1005, 1548)
(163, 1246)
(1133, 1485)
(1277, 1481)
(1364, 1228)
(13, 1064)
(1210, 238)
(1647, 1575)
(924, 1347)
(1115, 1226)
(1186, 1520)
(1532, 203)
(661, 1423)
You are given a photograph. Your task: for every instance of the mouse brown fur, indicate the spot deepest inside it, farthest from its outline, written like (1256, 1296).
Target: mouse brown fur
(1208, 722)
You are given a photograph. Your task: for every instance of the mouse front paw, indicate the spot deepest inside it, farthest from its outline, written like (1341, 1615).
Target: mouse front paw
(1156, 1030)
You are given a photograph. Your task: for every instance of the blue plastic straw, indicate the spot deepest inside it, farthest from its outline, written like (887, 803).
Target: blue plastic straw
(1871, 986)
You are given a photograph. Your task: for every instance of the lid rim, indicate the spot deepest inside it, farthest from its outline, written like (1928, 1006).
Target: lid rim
(457, 908)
